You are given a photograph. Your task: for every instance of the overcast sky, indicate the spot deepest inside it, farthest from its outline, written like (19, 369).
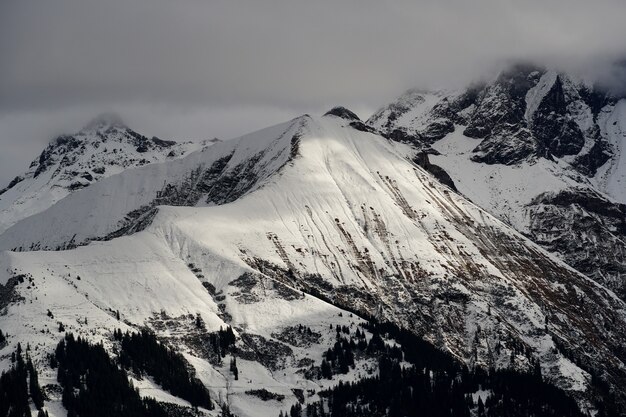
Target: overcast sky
(195, 69)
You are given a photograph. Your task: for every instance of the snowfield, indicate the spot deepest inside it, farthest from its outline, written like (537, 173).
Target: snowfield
(257, 225)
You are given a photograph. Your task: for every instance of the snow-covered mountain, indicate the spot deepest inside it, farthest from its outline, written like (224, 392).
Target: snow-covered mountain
(308, 222)
(541, 150)
(104, 147)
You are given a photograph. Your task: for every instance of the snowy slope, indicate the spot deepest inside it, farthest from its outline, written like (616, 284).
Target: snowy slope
(543, 152)
(500, 189)
(103, 148)
(212, 175)
(323, 208)
(149, 285)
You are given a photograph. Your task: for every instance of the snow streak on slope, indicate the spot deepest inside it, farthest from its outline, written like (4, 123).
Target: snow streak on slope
(535, 95)
(344, 215)
(103, 148)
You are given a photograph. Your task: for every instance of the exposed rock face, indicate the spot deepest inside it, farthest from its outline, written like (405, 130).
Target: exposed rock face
(499, 108)
(587, 229)
(551, 125)
(525, 113)
(421, 159)
(343, 113)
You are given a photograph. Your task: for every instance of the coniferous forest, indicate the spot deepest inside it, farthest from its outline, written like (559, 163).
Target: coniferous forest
(143, 354)
(413, 378)
(94, 386)
(420, 380)
(17, 385)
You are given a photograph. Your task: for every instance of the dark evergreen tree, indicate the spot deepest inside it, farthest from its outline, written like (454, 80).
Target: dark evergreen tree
(199, 321)
(326, 370)
(296, 410)
(227, 340)
(35, 390)
(233, 368)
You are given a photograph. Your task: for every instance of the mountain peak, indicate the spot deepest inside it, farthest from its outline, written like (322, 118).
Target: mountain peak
(342, 112)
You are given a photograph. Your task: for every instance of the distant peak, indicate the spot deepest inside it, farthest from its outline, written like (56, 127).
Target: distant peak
(521, 70)
(342, 112)
(105, 120)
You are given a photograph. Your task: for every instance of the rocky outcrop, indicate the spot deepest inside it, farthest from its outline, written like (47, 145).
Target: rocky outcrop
(421, 159)
(586, 229)
(343, 113)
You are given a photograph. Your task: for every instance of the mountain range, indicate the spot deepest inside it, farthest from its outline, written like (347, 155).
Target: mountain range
(482, 229)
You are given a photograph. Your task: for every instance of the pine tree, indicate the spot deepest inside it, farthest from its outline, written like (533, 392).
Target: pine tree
(481, 407)
(199, 321)
(296, 410)
(326, 370)
(35, 390)
(233, 368)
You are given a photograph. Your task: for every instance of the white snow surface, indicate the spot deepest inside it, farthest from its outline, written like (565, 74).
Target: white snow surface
(349, 206)
(535, 95)
(503, 190)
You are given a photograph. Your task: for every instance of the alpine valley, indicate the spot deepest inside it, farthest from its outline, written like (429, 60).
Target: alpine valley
(460, 253)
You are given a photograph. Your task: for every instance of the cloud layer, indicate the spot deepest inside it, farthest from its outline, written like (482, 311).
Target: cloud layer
(225, 61)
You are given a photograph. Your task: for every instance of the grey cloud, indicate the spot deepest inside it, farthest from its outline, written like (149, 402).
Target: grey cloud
(210, 66)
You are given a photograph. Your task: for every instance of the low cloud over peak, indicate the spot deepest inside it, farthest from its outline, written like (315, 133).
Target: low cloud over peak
(273, 57)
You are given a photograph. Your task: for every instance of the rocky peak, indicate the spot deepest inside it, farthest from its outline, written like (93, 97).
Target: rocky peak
(542, 140)
(104, 141)
(501, 105)
(524, 113)
(343, 113)
(551, 124)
